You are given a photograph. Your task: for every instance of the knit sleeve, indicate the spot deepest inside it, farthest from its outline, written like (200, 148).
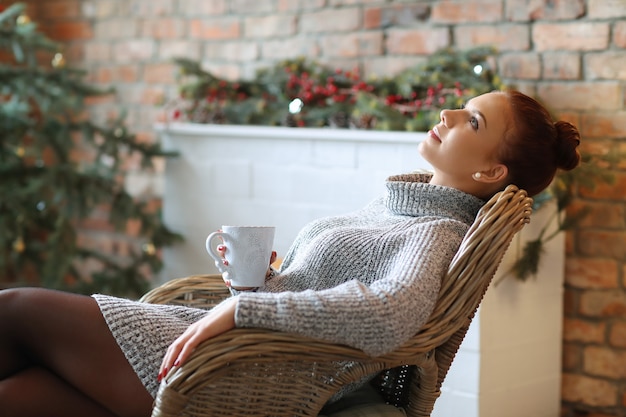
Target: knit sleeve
(375, 317)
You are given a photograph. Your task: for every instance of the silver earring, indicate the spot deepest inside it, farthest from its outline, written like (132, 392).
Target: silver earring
(477, 175)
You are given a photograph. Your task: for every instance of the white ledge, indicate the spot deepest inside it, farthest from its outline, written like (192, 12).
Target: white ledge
(202, 130)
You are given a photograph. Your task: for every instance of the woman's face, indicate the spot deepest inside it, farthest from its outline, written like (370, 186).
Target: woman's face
(466, 141)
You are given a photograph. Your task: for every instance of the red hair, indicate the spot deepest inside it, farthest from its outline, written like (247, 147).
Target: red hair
(536, 146)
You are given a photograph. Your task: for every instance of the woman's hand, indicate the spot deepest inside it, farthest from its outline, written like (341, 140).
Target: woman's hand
(221, 249)
(217, 321)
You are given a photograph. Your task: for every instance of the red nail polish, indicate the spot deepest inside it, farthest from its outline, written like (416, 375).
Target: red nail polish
(159, 377)
(177, 362)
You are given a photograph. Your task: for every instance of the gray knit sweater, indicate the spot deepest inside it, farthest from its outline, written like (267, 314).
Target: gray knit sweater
(368, 279)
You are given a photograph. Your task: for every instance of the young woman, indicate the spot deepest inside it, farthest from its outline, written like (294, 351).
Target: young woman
(368, 279)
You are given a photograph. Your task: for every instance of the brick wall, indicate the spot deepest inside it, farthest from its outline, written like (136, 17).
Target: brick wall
(569, 54)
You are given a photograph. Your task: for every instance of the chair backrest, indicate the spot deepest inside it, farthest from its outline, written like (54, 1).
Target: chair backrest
(463, 288)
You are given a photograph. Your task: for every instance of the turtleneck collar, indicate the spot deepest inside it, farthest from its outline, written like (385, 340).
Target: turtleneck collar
(412, 195)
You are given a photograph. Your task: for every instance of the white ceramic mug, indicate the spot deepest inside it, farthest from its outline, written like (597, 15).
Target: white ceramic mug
(247, 255)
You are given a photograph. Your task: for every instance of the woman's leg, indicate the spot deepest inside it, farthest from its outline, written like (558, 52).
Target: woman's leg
(58, 358)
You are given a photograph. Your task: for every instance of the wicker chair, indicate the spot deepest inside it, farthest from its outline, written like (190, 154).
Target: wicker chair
(257, 372)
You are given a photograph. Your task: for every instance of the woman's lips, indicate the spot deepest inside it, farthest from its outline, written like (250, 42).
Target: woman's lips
(434, 133)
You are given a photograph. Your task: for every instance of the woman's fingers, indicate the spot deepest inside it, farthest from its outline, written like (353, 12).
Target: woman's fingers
(220, 319)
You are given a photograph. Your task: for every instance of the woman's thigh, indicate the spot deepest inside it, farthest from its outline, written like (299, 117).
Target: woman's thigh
(67, 335)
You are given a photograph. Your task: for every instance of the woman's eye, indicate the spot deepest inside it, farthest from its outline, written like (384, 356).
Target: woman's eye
(474, 122)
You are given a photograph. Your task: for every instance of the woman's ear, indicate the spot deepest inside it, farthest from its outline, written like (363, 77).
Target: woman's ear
(496, 173)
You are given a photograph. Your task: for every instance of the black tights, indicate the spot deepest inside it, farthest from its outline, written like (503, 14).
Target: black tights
(59, 359)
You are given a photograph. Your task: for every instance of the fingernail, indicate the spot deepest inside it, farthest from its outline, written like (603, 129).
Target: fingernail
(177, 362)
(159, 377)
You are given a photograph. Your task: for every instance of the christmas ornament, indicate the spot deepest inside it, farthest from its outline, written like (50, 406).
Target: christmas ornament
(23, 20)
(148, 249)
(18, 245)
(58, 61)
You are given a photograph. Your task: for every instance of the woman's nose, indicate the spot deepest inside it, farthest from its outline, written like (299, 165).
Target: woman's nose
(445, 116)
(449, 116)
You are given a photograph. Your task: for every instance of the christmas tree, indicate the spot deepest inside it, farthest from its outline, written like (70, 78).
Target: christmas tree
(57, 167)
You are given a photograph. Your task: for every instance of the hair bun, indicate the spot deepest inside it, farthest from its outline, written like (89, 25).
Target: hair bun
(568, 140)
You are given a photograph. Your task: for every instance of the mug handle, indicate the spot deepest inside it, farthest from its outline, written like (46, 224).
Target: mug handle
(219, 261)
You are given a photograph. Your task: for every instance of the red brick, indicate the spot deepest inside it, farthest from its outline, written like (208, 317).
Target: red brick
(461, 11)
(520, 66)
(524, 10)
(102, 9)
(617, 335)
(579, 36)
(228, 71)
(299, 5)
(614, 190)
(595, 414)
(66, 31)
(561, 66)
(373, 18)
(63, 9)
(590, 391)
(126, 73)
(581, 96)
(333, 20)
(600, 214)
(269, 26)
(601, 361)
(603, 9)
(504, 37)
(163, 28)
(619, 34)
(236, 51)
(591, 273)
(242, 7)
(133, 50)
(603, 125)
(214, 29)
(160, 73)
(570, 301)
(609, 65)
(390, 65)
(288, 48)
(352, 45)
(117, 28)
(168, 49)
(598, 149)
(195, 8)
(578, 330)
(152, 8)
(396, 15)
(96, 51)
(417, 41)
(152, 96)
(596, 303)
(572, 357)
(621, 150)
